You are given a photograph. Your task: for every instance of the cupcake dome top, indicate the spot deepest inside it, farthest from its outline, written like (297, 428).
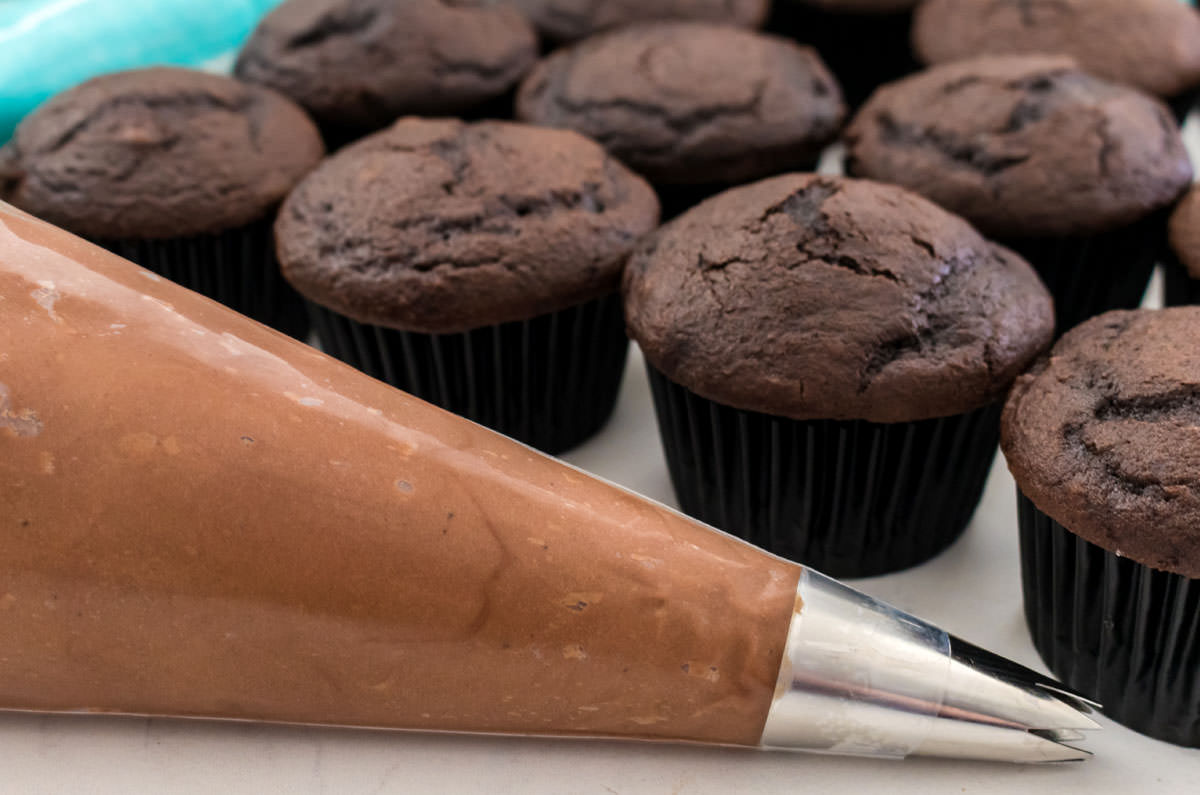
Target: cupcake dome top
(158, 153)
(1104, 435)
(365, 63)
(1151, 44)
(439, 226)
(688, 102)
(568, 20)
(1023, 145)
(816, 297)
(1184, 230)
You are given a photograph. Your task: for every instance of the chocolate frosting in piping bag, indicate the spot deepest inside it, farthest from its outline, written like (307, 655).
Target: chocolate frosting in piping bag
(203, 517)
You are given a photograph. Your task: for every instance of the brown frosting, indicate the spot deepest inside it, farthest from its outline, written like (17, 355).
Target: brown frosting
(568, 20)
(1184, 231)
(690, 102)
(439, 226)
(816, 297)
(1021, 146)
(1104, 435)
(203, 517)
(158, 153)
(1152, 44)
(364, 63)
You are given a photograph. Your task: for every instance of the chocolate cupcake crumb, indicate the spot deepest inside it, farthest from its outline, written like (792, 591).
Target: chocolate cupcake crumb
(1104, 436)
(816, 297)
(158, 153)
(440, 226)
(689, 102)
(1151, 44)
(364, 63)
(1023, 146)
(569, 20)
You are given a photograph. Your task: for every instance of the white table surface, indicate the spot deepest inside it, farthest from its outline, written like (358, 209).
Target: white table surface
(972, 590)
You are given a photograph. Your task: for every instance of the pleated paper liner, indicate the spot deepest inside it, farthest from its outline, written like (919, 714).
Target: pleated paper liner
(338, 136)
(1180, 289)
(863, 50)
(675, 200)
(236, 268)
(1119, 632)
(1183, 104)
(1094, 274)
(849, 498)
(550, 382)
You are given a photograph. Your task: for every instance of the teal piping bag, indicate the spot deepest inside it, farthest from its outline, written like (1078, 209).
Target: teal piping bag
(47, 46)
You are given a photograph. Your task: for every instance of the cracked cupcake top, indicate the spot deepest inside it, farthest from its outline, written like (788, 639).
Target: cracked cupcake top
(1023, 146)
(1151, 44)
(816, 297)
(440, 226)
(1104, 435)
(158, 153)
(690, 102)
(568, 20)
(364, 63)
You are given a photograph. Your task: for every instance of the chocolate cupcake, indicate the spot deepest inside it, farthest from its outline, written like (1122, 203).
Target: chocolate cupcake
(865, 42)
(179, 171)
(826, 357)
(1103, 438)
(1075, 173)
(1151, 44)
(693, 107)
(475, 266)
(358, 65)
(569, 20)
(1181, 266)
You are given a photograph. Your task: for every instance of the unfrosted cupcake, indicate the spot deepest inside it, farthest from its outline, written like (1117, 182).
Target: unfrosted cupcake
(693, 107)
(358, 65)
(1151, 44)
(179, 171)
(476, 266)
(827, 356)
(570, 20)
(1075, 173)
(865, 42)
(1103, 438)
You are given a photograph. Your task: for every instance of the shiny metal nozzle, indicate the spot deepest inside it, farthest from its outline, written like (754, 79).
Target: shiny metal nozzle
(862, 678)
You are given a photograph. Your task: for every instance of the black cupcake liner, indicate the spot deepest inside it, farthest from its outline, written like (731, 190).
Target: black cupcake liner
(236, 268)
(1182, 105)
(863, 50)
(1091, 275)
(500, 107)
(1179, 288)
(339, 136)
(550, 382)
(849, 498)
(1121, 633)
(675, 200)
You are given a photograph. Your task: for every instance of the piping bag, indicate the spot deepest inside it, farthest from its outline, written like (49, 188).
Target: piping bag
(202, 517)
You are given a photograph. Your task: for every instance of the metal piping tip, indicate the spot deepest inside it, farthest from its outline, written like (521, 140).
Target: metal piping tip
(998, 690)
(992, 744)
(862, 678)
